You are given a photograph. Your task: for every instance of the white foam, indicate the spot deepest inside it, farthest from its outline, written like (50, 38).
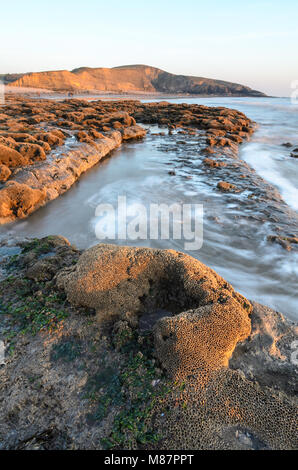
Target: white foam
(270, 169)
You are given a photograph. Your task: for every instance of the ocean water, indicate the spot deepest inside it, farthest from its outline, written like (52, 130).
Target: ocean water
(277, 120)
(236, 249)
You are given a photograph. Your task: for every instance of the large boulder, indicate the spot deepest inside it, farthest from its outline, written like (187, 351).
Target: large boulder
(114, 280)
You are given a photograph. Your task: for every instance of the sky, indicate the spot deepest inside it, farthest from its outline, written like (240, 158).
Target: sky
(254, 43)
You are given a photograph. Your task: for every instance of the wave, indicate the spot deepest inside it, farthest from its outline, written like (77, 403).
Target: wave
(267, 167)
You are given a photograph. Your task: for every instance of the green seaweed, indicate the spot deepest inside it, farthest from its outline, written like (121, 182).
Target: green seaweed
(131, 393)
(67, 351)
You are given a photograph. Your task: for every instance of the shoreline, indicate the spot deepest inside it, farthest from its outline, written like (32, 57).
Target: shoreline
(34, 184)
(54, 177)
(68, 148)
(91, 94)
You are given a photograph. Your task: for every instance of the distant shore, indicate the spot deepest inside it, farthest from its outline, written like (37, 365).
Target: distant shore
(107, 95)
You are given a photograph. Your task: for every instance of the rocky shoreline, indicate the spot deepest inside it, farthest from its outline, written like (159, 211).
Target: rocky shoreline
(134, 348)
(45, 146)
(257, 204)
(33, 172)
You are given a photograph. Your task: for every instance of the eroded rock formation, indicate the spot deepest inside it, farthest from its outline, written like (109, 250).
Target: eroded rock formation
(211, 371)
(217, 404)
(110, 279)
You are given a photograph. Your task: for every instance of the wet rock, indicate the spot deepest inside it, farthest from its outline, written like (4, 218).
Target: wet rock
(7, 141)
(42, 270)
(211, 141)
(226, 187)
(266, 354)
(133, 132)
(216, 132)
(213, 163)
(95, 134)
(22, 137)
(32, 152)
(59, 133)
(117, 125)
(31, 129)
(209, 150)
(82, 136)
(235, 138)
(52, 139)
(287, 144)
(55, 177)
(43, 258)
(283, 241)
(244, 438)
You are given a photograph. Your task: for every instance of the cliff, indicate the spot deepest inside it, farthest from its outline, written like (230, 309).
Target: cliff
(130, 79)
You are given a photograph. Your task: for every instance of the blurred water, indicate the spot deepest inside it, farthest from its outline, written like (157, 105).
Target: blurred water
(235, 247)
(278, 124)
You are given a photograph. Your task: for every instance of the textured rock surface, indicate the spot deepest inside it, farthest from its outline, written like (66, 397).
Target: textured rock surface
(266, 355)
(202, 340)
(49, 180)
(219, 407)
(46, 160)
(4, 173)
(17, 200)
(111, 279)
(219, 375)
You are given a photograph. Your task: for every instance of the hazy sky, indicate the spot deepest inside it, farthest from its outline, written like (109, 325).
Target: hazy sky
(253, 42)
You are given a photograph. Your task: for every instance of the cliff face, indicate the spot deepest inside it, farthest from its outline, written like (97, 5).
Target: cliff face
(7, 78)
(131, 78)
(167, 82)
